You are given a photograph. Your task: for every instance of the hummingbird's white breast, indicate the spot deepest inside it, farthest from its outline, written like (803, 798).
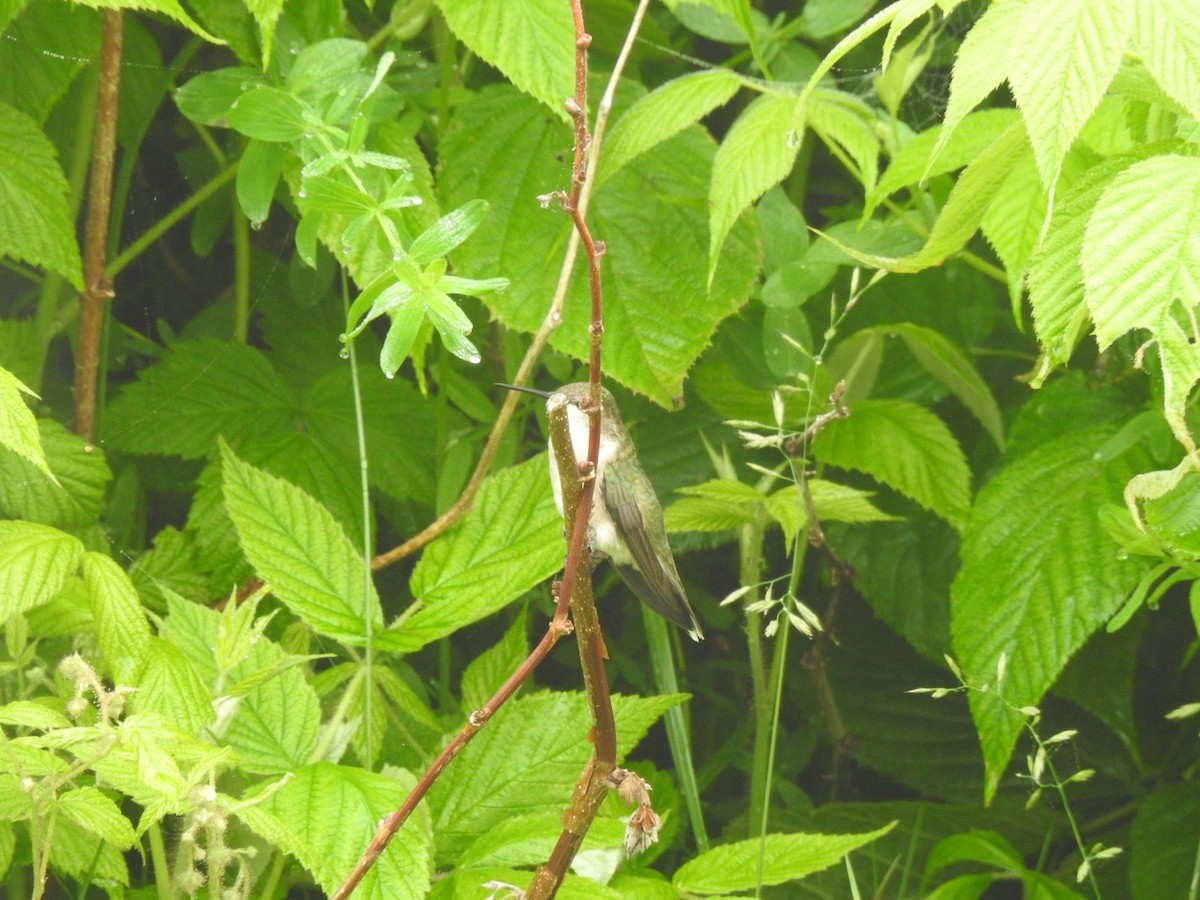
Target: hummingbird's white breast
(604, 535)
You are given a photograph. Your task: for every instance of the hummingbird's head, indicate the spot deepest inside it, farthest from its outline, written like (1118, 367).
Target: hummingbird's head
(578, 394)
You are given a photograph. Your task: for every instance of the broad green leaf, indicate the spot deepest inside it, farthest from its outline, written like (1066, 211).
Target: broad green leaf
(982, 62)
(973, 192)
(905, 447)
(32, 79)
(31, 714)
(200, 390)
(518, 766)
(75, 496)
(35, 561)
(1163, 841)
(326, 66)
(36, 227)
(509, 542)
(529, 840)
(258, 174)
(915, 163)
(121, 627)
(785, 857)
(447, 232)
(169, 8)
(93, 811)
(658, 319)
(1139, 256)
(718, 505)
(833, 503)
(300, 551)
(1066, 54)
(76, 852)
(1039, 575)
(321, 193)
(208, 97)
(663, 113)
(18, 427)
(1166, 34)
(485, 673)
(168, 684)
(949, 365)
(532, 43)
(1013, 225)
(326, 815)
(268, 114)
(757, 153)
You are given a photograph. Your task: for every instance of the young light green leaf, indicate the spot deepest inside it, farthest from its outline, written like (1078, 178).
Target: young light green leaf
(266, 13)
(843, 120)
(532, 43)
(833, 503)
(945, 362)
(1013, 225)
(1167, 36)
(717, 505)
(18, 427)
(31, 714)
(93, 811)
(447, 232)
(36, 227)
(167, 684)
(516, 766)
(325, 815)
(1035, 600)
(121, 627)
(321, 193)
(905, 447)
(1066, 54)
(268, 114)
(757, 153)
(1140, 257)
(75, 496)
(663, 113)
(299, 549)
(169, 8)
(915, 163)
(510, 541)
(35, 561)
(741, 865)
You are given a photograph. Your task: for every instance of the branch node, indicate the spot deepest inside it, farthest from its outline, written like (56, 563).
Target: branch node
(583, 41)
(573, 108)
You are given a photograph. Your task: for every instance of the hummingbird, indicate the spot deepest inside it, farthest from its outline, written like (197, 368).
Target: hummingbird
(626, 523)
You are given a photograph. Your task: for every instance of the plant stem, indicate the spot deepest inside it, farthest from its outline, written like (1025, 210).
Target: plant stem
(158, 860)
(750, 541)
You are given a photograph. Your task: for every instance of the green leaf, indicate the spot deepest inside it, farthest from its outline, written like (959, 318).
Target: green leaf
(266, 13)
(1163, 841)
(1065, 55)
(1013, 225)
(326, 815)
(31, 714)
(658, 318)
(485, 673)
(268, 114)
(945, 362)
(447, 232)
(36, 227)
(200, 390)
(907, 448)
(35, 561)
(518, 766)
(18, 427)
(121, 627)
(784, 857)
(719, 505)
(31, 79)
(757, 153)
(167, 684)
(208, 98)
(916, 163)
(258, 173)
(324, 67)
(529, 841)
(532, 43)
(93, 811)
(832, 502)
(1140, 257)
(1039, 575)
(321, 193)
(75, 496)
(300, 551)
(169, 8)
(509, 542)
(843, 120)
(663, 113)
(1167, 36)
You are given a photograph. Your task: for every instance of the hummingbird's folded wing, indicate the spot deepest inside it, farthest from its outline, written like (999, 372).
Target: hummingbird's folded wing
(652, 575)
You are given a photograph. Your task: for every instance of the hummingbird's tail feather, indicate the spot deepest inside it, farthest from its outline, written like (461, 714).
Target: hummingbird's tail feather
(672, 605)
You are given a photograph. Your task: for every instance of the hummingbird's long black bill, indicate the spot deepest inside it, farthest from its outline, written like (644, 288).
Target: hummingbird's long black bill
(523, 389)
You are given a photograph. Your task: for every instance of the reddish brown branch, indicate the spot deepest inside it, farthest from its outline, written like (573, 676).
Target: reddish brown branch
(97, 289)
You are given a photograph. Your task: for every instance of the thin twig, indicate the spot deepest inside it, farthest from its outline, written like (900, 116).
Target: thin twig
(97, 288)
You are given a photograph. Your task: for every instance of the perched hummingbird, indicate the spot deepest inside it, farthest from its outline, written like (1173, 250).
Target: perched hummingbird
(626, 523)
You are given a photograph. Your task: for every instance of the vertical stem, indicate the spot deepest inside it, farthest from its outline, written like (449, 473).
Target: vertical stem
(241, 274)
(750, 563)
(97, 289)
